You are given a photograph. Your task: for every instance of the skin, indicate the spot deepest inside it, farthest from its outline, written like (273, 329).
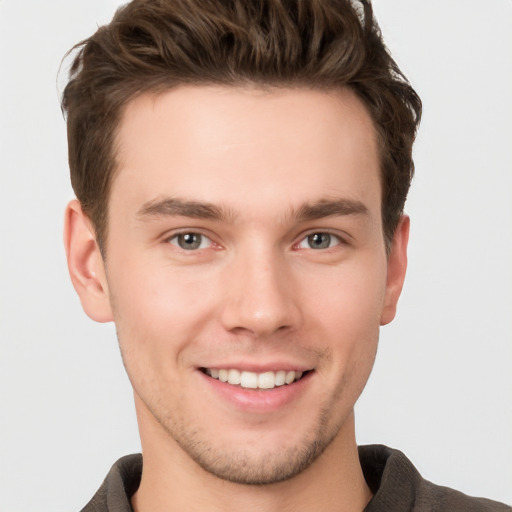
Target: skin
(254, 173)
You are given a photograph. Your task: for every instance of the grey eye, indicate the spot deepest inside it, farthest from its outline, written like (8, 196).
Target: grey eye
(319, 241)
(189, 241)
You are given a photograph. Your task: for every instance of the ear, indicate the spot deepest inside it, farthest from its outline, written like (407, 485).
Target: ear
(85, 264)
(397, 265)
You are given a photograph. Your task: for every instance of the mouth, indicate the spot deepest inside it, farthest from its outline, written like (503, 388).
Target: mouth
(252, 380)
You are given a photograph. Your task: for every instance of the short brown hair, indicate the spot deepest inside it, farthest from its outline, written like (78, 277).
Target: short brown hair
(154, 45)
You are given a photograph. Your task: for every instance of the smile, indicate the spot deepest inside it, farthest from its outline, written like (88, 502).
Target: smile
(253, 380)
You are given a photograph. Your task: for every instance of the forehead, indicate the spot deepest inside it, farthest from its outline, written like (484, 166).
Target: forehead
(235, 145)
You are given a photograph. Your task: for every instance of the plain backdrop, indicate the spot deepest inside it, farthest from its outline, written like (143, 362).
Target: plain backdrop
(441, 390)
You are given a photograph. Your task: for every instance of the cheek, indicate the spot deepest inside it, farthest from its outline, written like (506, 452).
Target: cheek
(157, 314)
(347, 319)
(353, 299)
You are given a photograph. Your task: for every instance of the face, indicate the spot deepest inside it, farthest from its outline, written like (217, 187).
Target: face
(246, 272)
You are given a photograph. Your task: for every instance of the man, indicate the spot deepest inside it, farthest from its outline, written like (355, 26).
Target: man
(241, 170)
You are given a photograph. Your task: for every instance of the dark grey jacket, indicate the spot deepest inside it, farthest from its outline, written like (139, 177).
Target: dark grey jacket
(396, 484)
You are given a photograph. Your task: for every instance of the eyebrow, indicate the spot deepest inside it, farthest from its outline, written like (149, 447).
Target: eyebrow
(203, 210)
(329, 208)
(178, 207)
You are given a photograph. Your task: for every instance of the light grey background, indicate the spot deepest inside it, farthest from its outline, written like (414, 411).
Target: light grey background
(442, 387)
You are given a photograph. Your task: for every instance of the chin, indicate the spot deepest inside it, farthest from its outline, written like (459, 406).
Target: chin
(254, 461)
(263, 468)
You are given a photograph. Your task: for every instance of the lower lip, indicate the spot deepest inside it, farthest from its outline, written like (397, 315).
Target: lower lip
(258, 400)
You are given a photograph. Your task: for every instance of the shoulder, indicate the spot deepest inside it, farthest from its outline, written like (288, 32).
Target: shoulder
(118, 487)
(398, 486)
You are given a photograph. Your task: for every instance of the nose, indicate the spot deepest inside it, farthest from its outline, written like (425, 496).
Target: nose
(260, 295)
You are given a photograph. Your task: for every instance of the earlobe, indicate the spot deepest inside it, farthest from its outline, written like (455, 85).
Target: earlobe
(397, 266)
(85, 264)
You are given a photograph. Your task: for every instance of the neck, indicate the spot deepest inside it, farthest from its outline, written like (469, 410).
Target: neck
(171, 480)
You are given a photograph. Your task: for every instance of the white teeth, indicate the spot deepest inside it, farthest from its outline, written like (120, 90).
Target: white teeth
(252, 380)
(290, 377)
(249, 380)
(267, 380)
(280, 378)
(233, 376)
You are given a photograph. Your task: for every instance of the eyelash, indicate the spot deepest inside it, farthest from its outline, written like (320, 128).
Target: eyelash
(337, 238)
(202, 237)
